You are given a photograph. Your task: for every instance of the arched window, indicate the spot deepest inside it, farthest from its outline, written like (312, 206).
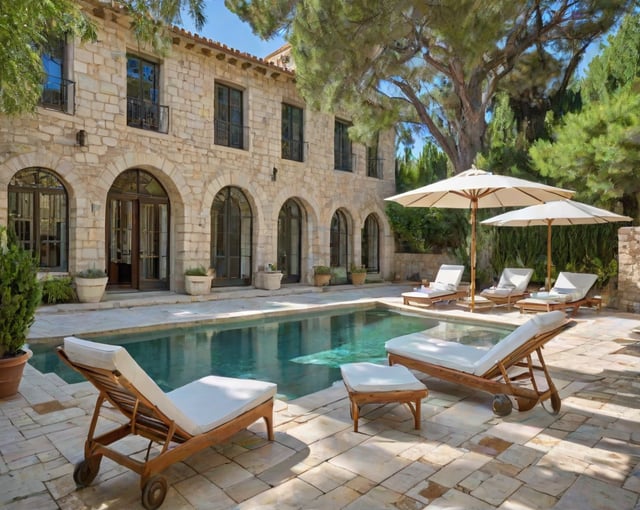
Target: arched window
(289, 241)
(39, 215)
(231, 237)
(339, 241)
(371, 244)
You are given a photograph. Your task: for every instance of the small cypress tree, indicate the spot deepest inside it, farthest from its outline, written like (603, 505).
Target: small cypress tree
(20, 293)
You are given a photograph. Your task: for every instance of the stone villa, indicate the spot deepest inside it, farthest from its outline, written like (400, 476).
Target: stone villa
(145, 166)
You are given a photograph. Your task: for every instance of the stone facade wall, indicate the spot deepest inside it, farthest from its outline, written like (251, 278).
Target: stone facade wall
(188, 164)
(417, 266)
(628, 297)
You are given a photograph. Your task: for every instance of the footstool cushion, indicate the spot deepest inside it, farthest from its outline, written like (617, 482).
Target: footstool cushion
(369, 383)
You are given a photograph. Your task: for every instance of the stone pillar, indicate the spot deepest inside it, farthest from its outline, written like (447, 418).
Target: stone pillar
(629, 269)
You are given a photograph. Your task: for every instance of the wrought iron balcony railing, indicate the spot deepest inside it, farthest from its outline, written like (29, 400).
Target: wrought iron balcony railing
(58, 94)
(146, 115)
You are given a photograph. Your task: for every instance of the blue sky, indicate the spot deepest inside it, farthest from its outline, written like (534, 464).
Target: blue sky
(224, 26)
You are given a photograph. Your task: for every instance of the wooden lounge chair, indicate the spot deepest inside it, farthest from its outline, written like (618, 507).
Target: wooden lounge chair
(569, 291)
(508, 368)
(183, 421)
(511, 287)
(444, 288)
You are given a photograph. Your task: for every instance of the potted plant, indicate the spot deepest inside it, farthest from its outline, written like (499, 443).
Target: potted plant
(20, 295)
(197, 281)
(90, 285)
(321, 276)
(358, 274)
(270, 278)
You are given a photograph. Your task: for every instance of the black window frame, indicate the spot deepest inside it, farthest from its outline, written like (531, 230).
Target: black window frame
(29, 231)
(227, 131)
(144, 110)
(342, 146)
(292, 132)
(58, 91)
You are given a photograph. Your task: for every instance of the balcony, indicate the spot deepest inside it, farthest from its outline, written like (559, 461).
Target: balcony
(58, 94)
(147, 115)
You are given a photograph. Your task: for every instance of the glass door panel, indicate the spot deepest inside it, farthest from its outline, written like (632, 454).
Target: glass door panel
(121, 222)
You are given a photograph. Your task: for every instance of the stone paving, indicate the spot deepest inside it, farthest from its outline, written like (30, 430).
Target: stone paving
(464, 457)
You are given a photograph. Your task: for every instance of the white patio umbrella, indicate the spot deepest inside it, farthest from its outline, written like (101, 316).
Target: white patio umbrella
(475, 189)
(560, 212)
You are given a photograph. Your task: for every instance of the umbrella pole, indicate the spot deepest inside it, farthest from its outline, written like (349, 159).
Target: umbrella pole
(548, 282)
(472, 287)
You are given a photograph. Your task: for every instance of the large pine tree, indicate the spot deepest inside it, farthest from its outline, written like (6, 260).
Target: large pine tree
(432, 64)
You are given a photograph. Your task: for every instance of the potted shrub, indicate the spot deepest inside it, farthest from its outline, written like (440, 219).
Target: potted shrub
(20, 295)
(321, 276)
(358, 274)
(90, 285)
(197, 281)
(270, 278)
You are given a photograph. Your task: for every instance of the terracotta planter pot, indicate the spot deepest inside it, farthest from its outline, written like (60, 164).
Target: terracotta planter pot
(320, 280)
(358, 278)
(11, 373)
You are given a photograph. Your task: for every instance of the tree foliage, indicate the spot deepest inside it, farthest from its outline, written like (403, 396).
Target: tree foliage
(617, 65)
(26, 27)
(596, 151)
(424, 230)
(435, 64)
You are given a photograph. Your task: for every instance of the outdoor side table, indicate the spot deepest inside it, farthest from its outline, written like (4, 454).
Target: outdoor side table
(369, 383)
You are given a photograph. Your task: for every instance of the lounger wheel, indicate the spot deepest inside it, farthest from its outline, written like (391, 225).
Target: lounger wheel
(154, 492)
(502, 405)
(86, 471)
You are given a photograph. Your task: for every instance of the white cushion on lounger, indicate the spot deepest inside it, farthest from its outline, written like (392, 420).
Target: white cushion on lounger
(419, 294)
(369, 377)
(466, 358)
(573, 285)
(515, 279)
(421, 347)
(498, 292)
(224, 398)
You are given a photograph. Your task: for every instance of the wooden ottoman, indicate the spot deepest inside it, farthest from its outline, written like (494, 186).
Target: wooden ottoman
(369, 383)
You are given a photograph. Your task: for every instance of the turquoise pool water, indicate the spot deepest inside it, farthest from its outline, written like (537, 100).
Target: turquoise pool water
(301, 353)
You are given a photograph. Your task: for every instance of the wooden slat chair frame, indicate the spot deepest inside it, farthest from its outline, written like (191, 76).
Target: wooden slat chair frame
(533, 304)
(409, 297)
(514, 375)
(527, 305)
(146, 420)
(511, 298)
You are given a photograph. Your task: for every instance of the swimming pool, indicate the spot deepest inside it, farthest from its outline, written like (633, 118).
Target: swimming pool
(301, 353)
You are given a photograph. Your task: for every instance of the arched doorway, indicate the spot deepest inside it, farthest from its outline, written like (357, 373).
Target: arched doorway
(138, 232)
(39, 216)
(371, 244)
(289, 241)
(231, 238)
(339, 247)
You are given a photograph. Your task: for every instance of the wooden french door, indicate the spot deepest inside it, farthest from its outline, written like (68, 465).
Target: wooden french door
(137, 235)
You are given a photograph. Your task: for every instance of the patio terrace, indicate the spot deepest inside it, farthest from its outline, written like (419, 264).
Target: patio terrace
(464, 457)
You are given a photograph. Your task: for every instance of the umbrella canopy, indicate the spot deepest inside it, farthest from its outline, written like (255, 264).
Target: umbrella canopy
(560, 212)
(475, 189)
